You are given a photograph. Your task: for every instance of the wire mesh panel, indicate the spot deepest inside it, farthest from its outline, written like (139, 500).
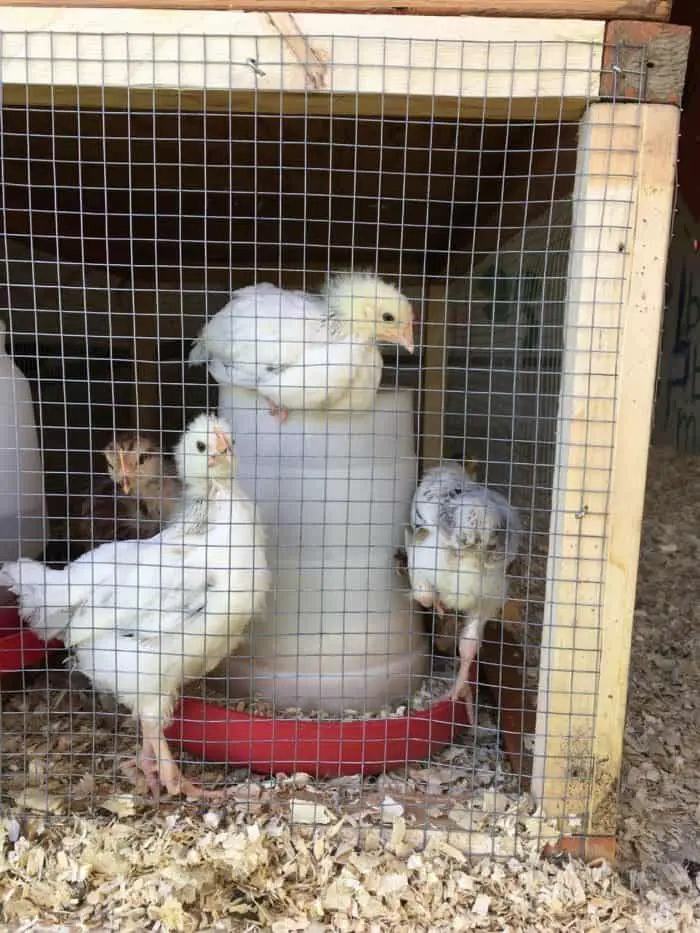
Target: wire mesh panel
(360, 262)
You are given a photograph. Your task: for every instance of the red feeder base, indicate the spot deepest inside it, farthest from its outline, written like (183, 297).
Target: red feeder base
(324, 748)
(20, 649)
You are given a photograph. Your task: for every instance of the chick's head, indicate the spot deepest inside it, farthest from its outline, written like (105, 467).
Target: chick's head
(133, 462)
(206, 451)
(371, 309)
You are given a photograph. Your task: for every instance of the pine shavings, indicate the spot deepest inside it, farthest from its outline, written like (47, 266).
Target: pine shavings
(155, 872)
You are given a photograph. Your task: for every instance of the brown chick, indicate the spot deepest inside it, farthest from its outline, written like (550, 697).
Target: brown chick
(139, 494)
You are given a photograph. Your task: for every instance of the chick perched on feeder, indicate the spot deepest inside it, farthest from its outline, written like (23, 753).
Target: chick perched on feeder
(139, 494)
(304, 352)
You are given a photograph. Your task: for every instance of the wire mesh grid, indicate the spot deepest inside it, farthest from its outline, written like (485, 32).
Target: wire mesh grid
(142, 187)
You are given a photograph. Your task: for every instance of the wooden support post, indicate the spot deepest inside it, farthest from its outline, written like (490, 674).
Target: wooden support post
(622, 209)
(644, 61)
(147, 412)
(433, 402)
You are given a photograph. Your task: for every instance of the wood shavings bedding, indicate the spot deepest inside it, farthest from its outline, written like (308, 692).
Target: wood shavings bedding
(659, 826)
(388, 854)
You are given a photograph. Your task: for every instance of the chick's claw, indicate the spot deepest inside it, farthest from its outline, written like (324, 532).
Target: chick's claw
(400, 562)
(277, 412)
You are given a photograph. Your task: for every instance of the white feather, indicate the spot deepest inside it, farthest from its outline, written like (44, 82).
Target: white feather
(297, 350)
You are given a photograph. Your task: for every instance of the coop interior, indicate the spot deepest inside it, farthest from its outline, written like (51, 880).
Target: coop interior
(125, 228)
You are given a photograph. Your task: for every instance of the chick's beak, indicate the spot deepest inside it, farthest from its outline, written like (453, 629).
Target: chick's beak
(224, 446)
(124, 483)
(406, 337)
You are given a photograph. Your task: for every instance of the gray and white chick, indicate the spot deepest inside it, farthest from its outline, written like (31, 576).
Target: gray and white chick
(461, 543)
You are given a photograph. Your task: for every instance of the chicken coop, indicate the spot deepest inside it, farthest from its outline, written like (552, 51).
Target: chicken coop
(513, 177)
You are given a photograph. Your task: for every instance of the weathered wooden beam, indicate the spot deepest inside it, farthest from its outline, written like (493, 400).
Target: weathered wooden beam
(659, 10)
(645, 61)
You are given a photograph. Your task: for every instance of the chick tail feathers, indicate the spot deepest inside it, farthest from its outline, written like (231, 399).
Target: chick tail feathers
(43, 596)
(198, 353)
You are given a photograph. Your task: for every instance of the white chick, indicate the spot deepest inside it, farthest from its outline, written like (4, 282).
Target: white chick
(462, 541)
(304, 352)
(143, 617)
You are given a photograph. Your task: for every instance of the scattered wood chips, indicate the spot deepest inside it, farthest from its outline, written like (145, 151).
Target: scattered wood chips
(449, 846)
(659, 825)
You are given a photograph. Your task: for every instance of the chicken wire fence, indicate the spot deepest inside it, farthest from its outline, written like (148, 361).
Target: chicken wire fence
(130, 223)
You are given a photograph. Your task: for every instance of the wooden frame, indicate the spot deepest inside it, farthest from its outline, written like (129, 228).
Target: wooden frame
(621, 231)
(517, 69)
(565, 9)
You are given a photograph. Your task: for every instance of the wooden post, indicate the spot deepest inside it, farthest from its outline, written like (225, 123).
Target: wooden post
(622, 209)
(433, 402)
(645, 61)
(147, 413)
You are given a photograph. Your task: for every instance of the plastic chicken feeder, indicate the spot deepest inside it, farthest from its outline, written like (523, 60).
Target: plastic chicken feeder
(334, 491)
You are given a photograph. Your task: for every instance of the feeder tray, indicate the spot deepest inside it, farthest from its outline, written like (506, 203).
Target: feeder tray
(20, 649)
(323, 748)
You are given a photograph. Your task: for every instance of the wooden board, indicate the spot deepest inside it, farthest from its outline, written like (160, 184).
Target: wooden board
(634, 399)
(621, 213)
(645, 61)
(524, 65)
(434, 367)
(296, 104)
(571, 9)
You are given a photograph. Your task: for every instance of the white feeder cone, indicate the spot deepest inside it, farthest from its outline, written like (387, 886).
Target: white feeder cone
(22, 506)
(334, 491)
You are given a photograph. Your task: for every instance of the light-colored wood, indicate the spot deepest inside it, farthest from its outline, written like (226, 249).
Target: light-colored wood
(622, 202)
(567, 9)
(312, 61)
(634, 401)
(433, 400)
(237, 53)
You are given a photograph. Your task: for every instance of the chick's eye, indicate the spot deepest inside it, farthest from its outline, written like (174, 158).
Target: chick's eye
(201, 446)
(142, 459)
(388, 317)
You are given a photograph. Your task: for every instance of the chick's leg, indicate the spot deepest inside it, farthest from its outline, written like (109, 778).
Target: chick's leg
(145, 762)
(469, 641)
(166, 769)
